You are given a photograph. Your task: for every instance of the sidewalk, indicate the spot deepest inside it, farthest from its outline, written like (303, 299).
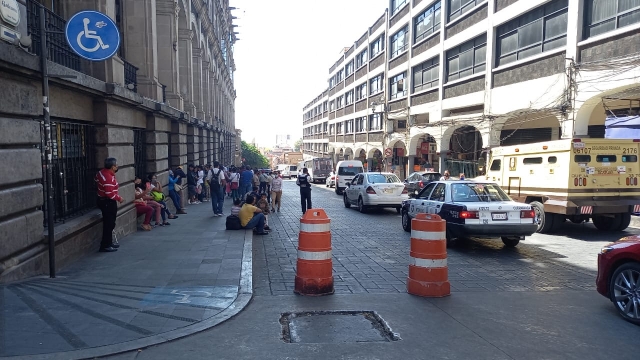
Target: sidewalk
(161, 285)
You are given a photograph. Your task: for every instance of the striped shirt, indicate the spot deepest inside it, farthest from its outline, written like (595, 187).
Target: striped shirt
(107, 185)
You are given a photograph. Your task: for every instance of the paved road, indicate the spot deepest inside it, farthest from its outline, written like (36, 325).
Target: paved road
(371, 253)
(533, 302)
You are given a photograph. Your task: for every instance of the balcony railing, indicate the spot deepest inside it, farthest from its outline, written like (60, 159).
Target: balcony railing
(130, 76)
(58, 50)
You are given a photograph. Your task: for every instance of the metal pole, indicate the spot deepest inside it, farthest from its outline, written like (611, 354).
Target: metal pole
(49, 145)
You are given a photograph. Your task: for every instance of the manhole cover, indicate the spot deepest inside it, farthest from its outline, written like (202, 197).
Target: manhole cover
(331, 327)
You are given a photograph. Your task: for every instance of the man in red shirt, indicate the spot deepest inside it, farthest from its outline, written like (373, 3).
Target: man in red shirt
(107, 196)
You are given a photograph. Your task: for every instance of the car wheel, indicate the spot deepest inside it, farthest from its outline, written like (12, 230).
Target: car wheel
(451, 241)
(542, 219)
(338, 191)
(510, 242)
(398, 210)
(406, 222)
(347, 204)
(624, 289)
(361, 207)
(626, 220)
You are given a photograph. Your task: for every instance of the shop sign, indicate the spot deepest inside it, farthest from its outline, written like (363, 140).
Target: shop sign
(424, 147)
(10, 12)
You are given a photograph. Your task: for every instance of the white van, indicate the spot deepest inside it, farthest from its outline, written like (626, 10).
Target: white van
(288, 171)
(345, 172)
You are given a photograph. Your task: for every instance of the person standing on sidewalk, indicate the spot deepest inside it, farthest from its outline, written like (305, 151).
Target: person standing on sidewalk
(173, 194)
(217, 188)
(276, 192)
(304, 181)
(107, 196)
(246, 177)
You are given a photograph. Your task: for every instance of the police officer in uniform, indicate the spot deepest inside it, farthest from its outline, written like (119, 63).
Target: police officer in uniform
(304, 181)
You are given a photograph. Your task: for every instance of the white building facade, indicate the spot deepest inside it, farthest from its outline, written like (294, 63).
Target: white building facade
(434, 84)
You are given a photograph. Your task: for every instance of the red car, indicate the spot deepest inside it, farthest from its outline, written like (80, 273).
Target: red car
(619, 276)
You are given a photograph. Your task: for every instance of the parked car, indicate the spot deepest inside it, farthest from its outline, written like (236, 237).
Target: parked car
(331, 180)
(472, 209)
(418, 180)
(619, 276)
(381, 190)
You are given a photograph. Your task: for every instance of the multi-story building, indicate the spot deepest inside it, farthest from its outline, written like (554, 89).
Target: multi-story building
(166, 99)
(434, 84)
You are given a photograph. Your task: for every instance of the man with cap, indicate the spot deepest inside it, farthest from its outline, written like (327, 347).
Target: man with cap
(304, 182)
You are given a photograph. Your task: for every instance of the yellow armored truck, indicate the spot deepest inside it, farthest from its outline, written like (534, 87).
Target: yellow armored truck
(573, 179)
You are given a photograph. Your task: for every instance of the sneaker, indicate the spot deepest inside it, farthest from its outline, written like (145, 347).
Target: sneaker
(108, 249)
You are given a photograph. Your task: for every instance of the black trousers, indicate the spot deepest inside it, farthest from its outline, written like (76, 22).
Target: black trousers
(109, 210)
(305, 199)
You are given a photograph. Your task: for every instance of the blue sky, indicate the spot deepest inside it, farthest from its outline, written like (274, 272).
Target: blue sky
(283, 58)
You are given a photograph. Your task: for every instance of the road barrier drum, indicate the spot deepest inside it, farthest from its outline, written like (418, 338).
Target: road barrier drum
(314, 269)
(428, 272)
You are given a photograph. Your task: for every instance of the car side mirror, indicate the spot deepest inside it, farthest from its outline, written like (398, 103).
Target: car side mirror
(406, 180)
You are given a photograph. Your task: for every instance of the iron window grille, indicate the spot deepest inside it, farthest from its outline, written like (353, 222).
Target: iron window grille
(130, 76)
(426, 75)
(397, 5)
(399, 42)
(58, 50)
(467, 59)
(74, 169)
(140, 153)
(375, 85)
(601, 16)
(361, 91)
(361, 59)
(397, 87)
(377, 46)
(459, 7)
(539, 30)
(428, 22)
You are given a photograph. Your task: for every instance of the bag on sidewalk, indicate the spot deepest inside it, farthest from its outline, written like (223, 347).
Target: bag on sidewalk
(233, 223)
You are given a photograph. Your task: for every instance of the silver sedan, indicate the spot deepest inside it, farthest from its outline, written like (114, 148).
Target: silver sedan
(369, 190)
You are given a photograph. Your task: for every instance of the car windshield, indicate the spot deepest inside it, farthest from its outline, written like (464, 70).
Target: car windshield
(382, 179)
(431, 177)
(474, 192)
(349, 171)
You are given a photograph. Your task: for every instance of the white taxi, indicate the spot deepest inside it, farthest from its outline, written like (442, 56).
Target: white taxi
(472, 209)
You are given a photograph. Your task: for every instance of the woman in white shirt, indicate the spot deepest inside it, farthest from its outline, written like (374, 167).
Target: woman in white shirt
(234, 178)
(200, 183)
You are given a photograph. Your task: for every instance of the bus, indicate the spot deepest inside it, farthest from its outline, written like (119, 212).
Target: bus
(319, 168)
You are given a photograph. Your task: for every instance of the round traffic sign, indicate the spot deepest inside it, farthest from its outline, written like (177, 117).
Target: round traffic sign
(388, 152)
(92, 35)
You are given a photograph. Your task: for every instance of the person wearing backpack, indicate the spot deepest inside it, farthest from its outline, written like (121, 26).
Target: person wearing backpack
(217, 181)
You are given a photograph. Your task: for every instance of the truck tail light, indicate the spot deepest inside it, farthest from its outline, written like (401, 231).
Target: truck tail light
(527, 214)
(469, 214)
(370, 190)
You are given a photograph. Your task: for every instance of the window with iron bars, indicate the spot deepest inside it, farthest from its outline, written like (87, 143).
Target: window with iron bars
(140, 153)
(74, 168)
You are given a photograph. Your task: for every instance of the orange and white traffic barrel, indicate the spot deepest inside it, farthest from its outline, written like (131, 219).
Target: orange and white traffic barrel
(314, 269)
(428, 272)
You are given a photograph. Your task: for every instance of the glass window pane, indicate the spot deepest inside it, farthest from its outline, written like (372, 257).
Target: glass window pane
(555, 25)
(554, 44)
(454, 5)
(480, 55)
(554, 6)
(479, 69)
(530, 34)
(624, 5)
(530, 52)
(436, 17)
(630, 18)
(466, 60)
(417, 78)
(453, 65)
(508, 43)
(467, 72)
(602, 28)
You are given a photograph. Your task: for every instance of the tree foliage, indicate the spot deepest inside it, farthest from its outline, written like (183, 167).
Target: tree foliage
(253, 157)
(297, 145)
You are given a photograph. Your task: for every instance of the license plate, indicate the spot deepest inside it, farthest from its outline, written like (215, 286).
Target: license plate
(388, 191)
(499, 216)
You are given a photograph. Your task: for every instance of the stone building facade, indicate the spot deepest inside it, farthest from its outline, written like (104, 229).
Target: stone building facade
(165, 100)
(453, 78)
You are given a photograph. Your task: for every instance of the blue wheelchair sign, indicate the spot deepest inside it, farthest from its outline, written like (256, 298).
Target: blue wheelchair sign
(92, 35)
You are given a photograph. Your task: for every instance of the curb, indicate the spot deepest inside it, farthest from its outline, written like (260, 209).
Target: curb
(245, 293)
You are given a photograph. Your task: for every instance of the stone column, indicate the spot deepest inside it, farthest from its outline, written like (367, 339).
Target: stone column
(411, 162)
(168, 60)
(197, 81)
(186, 72)
(141, 44)
(193, 144)
(157, 150)
(206, 96)
(203, 145)
(178, 144)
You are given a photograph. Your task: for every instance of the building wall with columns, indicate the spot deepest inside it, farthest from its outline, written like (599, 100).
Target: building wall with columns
(166, 99)
(460, 77)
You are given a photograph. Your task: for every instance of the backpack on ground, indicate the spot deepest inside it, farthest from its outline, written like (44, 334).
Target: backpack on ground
(233, 223)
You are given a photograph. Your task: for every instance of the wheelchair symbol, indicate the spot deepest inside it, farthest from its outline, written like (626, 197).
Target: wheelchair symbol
(91, 34)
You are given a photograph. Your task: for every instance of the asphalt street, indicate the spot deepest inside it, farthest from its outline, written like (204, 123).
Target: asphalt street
(535, 301)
